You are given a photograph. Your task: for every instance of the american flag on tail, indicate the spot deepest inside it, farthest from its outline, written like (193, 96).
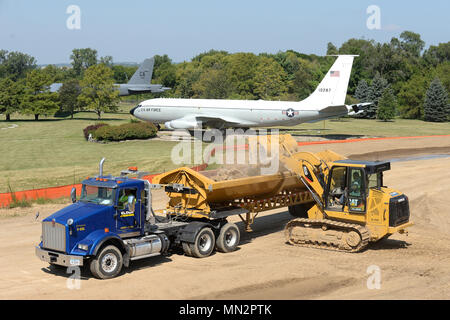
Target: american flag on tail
(334, 74)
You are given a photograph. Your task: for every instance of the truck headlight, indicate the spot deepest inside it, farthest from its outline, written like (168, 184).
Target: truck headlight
(84, 247)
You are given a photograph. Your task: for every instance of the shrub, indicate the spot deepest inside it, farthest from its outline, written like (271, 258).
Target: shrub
(127, 131)
(92, 128)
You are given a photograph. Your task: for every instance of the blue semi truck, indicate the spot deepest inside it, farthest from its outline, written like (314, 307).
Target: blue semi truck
(113, 223)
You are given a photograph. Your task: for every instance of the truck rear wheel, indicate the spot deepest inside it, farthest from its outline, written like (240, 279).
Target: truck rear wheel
(187, 249)
(204, 243)
(107, 264)
(228, 239)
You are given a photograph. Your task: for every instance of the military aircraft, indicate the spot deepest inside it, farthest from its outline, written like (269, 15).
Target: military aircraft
(139, 82)
(327, 101)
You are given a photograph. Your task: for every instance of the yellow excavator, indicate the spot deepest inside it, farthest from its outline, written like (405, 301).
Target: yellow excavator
(351, 208)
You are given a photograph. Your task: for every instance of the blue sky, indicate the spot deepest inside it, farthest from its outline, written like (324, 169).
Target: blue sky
(135, 29)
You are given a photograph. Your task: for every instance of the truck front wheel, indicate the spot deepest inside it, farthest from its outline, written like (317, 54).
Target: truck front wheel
(204, 243)
(107, 264)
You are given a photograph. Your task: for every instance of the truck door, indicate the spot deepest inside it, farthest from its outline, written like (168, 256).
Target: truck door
(356, 190)
(128, 219)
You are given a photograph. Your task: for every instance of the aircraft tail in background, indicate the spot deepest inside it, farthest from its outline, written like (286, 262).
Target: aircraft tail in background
(143, 74)
(333, 88)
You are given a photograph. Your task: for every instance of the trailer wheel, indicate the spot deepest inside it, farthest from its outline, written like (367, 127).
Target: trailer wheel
(107, 264)
(228, 238)
(204, 243)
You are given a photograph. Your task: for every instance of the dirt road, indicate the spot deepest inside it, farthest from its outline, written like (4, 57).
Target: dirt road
(264, 267)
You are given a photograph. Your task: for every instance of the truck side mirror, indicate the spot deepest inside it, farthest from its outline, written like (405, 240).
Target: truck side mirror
(73, 195)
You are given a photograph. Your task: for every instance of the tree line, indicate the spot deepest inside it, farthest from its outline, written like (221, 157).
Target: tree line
(400, 76)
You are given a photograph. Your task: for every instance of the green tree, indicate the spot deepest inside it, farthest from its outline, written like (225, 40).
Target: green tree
(164, 72)
(364, 65)
(57, 74)
(269, 76)
(3, 55)
(241, 69)
(387, 105)
(412, 43)
(187, 74)
(98, 92)
(411, 95)
(213, 84)
(437, 54)
(82, 59)
(122, 74)
(15, 64)
(107, 61)
(436, 106)
(331, 48)
(211, 52)
(362, 91)
(37, 98)
(68, 96)
(10, 96)
(377, 88)
(442, 71)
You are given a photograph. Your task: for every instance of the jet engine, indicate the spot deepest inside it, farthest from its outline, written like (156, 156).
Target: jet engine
(181, 124)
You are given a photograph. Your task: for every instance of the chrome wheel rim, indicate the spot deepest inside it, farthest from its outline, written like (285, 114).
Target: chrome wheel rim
(109, 262)
(230, 238)
(205, 242)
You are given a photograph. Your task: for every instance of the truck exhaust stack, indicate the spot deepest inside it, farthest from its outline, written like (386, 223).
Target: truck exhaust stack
(100, 169)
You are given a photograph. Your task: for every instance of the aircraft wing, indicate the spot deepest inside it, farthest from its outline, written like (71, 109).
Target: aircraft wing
(149, 88)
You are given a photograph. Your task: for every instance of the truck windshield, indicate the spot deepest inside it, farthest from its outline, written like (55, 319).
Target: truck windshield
(97, 195)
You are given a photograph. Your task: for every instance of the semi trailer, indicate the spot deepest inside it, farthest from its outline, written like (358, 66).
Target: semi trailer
(113, 222)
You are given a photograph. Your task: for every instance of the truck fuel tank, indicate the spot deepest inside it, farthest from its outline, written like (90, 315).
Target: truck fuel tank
(147, 246)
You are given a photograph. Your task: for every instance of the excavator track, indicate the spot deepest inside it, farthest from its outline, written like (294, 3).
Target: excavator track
(327, 234)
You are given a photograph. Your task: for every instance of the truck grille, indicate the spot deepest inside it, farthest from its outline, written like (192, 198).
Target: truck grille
(54, 236)
(398, 211)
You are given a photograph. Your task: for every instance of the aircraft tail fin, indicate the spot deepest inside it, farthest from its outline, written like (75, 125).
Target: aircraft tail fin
(333, 88)
(143, 74)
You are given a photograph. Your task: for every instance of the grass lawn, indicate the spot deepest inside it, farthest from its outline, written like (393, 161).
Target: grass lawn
(53, 151)
(349, 127)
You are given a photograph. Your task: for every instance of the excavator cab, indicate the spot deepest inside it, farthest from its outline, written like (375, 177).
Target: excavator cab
(352, 206)
(350, 182)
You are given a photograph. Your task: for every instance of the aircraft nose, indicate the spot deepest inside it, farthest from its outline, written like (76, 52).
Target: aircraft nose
(134, 109)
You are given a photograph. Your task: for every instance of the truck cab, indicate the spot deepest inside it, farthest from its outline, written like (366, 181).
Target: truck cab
(113, 223)
(110, 209)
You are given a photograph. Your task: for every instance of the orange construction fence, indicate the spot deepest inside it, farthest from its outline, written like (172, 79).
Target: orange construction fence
(57, 192)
